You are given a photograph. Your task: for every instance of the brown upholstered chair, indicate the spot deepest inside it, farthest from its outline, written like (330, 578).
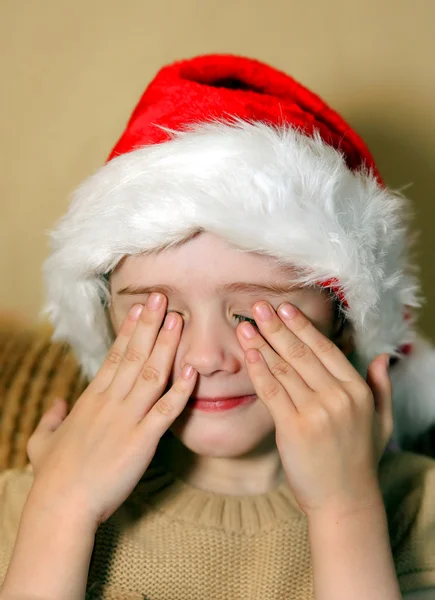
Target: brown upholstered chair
(33, 371)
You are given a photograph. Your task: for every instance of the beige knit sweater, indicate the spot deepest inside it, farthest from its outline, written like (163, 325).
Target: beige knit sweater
(172, 541)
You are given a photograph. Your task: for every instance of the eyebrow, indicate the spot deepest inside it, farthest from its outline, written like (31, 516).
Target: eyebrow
(228, 288)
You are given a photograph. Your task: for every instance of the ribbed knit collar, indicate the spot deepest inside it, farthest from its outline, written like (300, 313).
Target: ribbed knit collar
(186, 503)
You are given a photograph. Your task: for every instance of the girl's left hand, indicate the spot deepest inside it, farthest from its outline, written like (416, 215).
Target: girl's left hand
(332, 427)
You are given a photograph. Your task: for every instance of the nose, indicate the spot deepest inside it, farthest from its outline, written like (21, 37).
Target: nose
(210, 348)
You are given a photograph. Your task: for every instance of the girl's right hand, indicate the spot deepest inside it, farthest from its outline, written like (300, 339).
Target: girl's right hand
(92, 459)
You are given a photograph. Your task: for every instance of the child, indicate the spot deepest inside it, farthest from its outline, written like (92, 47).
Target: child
(237, 450)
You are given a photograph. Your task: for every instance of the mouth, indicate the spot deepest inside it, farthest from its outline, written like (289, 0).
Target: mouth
(221, 403)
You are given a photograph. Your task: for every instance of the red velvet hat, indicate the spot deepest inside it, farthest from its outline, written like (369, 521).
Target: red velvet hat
(208, 88)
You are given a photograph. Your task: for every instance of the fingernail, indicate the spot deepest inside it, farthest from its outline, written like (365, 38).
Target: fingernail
(170, 321)
(263, 311)
(187, 372)
(155, 301)
(135, 311)
(287, 311)
(248, 331)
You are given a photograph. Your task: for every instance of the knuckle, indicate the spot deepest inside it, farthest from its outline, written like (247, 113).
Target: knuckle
(178, 389)
(315, 424)
(263, 346)
(321, 420)
(276, 326)
(149, 317)
(300, 323)
(165, 407)
(269, 391)
(324, 345)
(114, 357)
(342, 397)
(133, 355)
(166, 339)
(342, 402)
(297, 350)
(364, 398)
(280, 369)
(150, 374)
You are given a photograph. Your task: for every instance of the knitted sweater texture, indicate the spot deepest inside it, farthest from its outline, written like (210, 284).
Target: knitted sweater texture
(173, 541)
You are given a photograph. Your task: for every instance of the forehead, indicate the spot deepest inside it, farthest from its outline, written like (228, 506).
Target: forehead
(205, 259)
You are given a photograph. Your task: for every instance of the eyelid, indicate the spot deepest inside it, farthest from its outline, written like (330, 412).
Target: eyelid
(240, 318)
(244, 319)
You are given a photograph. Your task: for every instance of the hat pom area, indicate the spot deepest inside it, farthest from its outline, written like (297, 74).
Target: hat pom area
(268, 189)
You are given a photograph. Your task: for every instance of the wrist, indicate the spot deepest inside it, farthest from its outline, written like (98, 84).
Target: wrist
(343, 508)
(346, 522)
(72, 511)
(351, 553)
(52, 553)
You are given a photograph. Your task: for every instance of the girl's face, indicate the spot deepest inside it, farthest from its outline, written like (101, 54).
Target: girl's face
(194, 271)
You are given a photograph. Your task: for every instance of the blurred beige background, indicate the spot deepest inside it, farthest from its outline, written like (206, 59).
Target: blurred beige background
(71, 72)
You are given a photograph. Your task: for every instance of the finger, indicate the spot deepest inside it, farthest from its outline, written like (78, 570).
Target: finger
(321, 346)
(49, 422)
(164, 412)
(153, 377)
(139, 347)
(291, 348)
(268, 388)
(379, 382)
(106, 372)
(54, 416)
(286, 373)
(60, 407)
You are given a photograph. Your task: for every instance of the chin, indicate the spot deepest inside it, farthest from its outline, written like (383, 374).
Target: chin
(228, 436)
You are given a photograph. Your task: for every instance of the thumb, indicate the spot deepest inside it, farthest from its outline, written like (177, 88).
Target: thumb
(54, 416)
(49, 422)
(378, 379)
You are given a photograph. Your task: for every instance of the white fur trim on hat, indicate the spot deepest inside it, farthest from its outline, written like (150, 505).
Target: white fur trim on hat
(262, 188)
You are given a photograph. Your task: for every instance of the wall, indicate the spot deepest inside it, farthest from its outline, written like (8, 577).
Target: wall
(72, 71)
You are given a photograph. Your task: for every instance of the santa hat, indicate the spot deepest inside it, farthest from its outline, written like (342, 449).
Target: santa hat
(231, 146)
